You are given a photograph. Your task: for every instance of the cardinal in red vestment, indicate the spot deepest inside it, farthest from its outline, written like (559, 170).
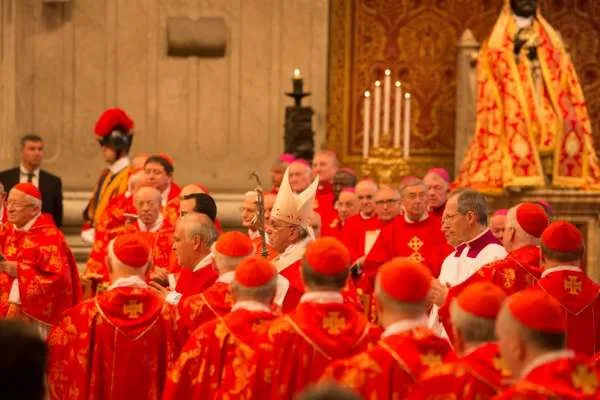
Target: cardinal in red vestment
(39, 269)
(407, 347)
(325, 165)
(229, 250)
(120, 344)
(520, 269)
(532, 331)
(480, 373)
(149, 222)
(212, 363)
(297, 347)
(563, 279)
(437, 181)
(346, 206)
(416, 235)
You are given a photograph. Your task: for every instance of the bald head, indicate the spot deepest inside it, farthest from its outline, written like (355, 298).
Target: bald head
(147, 201)
(300, 175)
(365, 193)
(387, 203)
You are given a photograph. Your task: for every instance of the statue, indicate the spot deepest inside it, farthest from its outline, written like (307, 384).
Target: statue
(532, 125)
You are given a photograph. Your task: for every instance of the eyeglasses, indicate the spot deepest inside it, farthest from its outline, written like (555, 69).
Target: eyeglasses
(447, 218)
(277, 226)
(387, 202)
(365, 197)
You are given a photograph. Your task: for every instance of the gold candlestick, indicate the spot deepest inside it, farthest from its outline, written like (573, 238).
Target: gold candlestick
(385, 163)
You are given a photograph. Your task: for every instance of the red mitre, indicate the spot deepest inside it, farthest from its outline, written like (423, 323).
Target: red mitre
(532, 218)
(405, 280)
(537, 310)
(327, 256)
(482, 299)
(110, 119)
(132, 250)
(28, 189)
(254, 271)
(562, 236)
(234, 244)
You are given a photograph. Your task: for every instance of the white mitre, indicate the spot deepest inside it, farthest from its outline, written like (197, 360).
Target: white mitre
(294, 208)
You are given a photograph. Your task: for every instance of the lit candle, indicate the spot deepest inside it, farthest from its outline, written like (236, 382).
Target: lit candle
(366, 123)
(397, 107)
(387, 89)
(297, 81)
(406, 150)
(297, 74)
(377, 114)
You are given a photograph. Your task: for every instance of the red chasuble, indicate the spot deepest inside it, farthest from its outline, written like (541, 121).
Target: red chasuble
(298, 347)
(325, 205)
(578, 296)
(215, 356)
(564, 379)
(480, 375)
(355, 231)
(389, 369)
(47, 274)
(193, 282)
(200, 308)
(161, 242)
(116, 346)
(335, 227)
(423, 241)
(296, 289)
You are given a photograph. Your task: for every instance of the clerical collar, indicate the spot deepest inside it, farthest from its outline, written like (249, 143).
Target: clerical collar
(24, 171)
(363, 216)
(250, 305)
(322, 297)
(404, 326)
(523, 22)
(410, 221)
(545, 359)
(164, 196)
(476, 238)
(558, 268)
(152, 228)
(119, 165)
(206, 261)
(27, 226)
(227, 277)
(128, 281)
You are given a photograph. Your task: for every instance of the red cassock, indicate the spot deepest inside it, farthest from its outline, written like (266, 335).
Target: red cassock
(355, 232)
(160, 240)
(325, 200)
(423, 241)
(119, 345)
(298, 347)
(116, 212)
(212, 363)
(335, 227)
(192, 282)
(47, 274)
(204, 307)
(564, 379)
(579, 298)
(389, 369)
(480, 375)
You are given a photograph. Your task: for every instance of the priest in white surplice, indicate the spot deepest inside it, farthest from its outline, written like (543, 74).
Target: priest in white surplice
(464, 224)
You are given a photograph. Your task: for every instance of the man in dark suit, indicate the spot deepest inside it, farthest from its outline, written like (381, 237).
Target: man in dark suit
(32, 153)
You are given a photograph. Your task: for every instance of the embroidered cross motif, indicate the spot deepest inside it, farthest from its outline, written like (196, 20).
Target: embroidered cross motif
(585, 380)
(501, 366)
(417, 256)
(430, 359)
(133, 309)
(11, 251)
(334, 323)
(508, 277)
(415, 244)
(573, 284)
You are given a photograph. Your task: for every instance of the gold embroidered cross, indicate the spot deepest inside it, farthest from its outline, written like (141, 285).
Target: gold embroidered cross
(430, 359)
(334, 323)
(11, 251)
(585, 380)
(573, 284)
(415, 243)
(133, 309)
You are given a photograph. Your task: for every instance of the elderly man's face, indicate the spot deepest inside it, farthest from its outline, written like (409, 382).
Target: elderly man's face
(19, 210)
(437, 190)
(147, 203)
(497, 224)
(454, 224)
(277, 171)
(299, 176)
(365, 192)
(324, 165)
(387, 204)
(269, 201)
(248, 210)
(281, 234)
(414, 201)
(347, 205)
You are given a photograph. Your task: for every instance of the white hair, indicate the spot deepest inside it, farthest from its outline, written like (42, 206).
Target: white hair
(473, 328)
(512, 222)
(251, 196)
(261, 293)
(227, 262)
(32, 200)
(155, 191)
(118, 264)
(389, 303)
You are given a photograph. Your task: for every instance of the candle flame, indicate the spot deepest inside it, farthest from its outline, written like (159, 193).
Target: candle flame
(407, 96)
(398, 84)
(367, 93)
(388, 72)
(377, 83)
(296, 73)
